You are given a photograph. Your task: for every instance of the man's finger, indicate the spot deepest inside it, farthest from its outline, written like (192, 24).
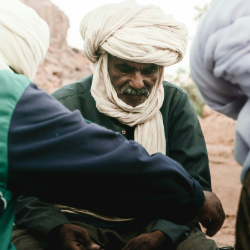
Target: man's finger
(213, 227)
(212, 215)
(78, 246)
(85, 240)
(129, 246)
(92, 246)
(72, 246)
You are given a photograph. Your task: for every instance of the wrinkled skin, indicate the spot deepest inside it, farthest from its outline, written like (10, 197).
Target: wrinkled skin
(124, 74)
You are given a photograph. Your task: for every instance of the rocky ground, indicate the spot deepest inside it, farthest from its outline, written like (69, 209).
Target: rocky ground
(219, 132)
(64, 65)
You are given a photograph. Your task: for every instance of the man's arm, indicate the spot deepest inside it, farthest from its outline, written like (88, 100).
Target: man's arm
(186, 145)
(186, 141)
(38, 217)
(155, 240)
(54, 153)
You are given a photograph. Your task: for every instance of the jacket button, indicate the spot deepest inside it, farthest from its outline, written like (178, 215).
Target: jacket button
(123, 132)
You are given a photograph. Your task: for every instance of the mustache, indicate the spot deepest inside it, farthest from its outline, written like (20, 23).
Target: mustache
(132, 91)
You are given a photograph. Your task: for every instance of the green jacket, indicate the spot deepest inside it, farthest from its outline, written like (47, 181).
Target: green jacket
(184, 143)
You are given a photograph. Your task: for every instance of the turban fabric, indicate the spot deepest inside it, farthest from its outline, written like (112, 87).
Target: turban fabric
(142, 34)
(24, 38)
(220, 66)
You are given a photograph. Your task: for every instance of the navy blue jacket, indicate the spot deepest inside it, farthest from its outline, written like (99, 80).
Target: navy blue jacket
(51, 152)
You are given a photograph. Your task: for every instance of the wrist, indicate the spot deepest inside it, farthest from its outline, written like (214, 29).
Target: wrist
(54, 234)
(165, 240)
(161, 236)
(205, 205)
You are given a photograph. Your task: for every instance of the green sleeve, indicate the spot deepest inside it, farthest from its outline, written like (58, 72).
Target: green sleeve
(186, 141)
(185, 144)
(38, 217)
(70, 102)
(175, 233)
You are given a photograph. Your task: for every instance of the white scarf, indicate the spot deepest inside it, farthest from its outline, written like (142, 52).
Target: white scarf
(24, 38)
(142, 34)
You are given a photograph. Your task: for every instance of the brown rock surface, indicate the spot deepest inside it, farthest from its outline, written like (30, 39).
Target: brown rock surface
(62, 64)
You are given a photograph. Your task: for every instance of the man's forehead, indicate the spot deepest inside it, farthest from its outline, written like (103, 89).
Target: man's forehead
(126, 63)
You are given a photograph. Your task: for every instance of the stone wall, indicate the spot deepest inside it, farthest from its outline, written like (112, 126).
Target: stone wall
(62, 64)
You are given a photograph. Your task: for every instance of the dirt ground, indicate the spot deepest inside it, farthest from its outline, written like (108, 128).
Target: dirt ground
(219, 134)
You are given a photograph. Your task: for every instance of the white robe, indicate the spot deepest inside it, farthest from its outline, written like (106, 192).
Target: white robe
(220, 66)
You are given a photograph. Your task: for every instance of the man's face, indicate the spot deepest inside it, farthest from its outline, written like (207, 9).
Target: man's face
(133, 82)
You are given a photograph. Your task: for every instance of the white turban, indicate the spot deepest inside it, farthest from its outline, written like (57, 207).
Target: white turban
(220, 66)
(142, 34)
(24, 38)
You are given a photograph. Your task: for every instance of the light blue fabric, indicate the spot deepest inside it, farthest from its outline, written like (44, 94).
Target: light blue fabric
(220, 66)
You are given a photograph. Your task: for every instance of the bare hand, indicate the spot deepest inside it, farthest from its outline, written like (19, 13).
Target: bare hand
(212, 215)
(148, 241)
(74, 237)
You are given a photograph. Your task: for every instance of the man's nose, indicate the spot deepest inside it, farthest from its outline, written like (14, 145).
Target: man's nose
(136, 81)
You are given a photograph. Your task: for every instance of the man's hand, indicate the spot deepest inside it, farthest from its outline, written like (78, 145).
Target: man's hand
(74, 237)
(148, 241)
(212, 215)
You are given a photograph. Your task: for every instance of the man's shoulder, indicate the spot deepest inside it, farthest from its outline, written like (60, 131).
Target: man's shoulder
(170, 87)
(173, 95)
(79, 87)
(9, 78)
(12, 85)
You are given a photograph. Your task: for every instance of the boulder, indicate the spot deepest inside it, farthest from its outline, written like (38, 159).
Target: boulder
(63, 64)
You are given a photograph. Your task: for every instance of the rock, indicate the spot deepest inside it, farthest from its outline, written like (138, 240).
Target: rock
(62, 64)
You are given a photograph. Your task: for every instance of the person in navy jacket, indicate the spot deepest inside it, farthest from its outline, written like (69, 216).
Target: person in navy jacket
(50, 152)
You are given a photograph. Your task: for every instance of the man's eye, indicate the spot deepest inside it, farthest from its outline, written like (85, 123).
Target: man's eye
(125, 70)
(148, 71)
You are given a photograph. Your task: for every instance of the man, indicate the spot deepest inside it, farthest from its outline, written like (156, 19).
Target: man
(220, 67)
(126, 95)
(39, 137)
